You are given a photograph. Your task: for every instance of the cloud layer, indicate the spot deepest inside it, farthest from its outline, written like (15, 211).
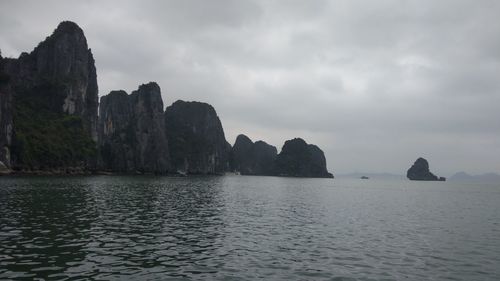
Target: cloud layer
(375, 84)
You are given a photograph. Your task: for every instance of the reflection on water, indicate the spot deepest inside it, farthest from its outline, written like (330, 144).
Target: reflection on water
(243, 228)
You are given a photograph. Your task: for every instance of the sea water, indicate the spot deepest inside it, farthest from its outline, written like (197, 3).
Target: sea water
(246, 228)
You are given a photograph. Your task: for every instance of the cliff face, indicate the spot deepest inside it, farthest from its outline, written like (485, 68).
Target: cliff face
(196, 139)
(420, 171)
(65, 58)
(5, 116)
(299, 159)
(55, 102)
(62, 69)
(132, 132)
(250, 158)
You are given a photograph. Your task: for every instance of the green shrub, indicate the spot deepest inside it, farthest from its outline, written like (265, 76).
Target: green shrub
(45, 139)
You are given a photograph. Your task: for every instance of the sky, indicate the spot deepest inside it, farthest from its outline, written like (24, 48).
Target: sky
(375, 84)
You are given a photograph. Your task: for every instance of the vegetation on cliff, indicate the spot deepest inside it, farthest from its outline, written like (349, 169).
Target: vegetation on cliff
(45, 139)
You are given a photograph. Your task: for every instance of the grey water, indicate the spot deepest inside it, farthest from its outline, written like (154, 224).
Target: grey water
(246, 228)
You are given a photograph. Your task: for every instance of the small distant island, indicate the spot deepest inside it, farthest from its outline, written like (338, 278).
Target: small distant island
(419, 171)
(482, 178)
(49, 124)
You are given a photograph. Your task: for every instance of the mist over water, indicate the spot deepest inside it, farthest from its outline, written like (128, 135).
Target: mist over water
(247, 228)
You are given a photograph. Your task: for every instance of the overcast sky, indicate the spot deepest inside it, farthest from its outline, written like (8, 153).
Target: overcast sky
(375, 84)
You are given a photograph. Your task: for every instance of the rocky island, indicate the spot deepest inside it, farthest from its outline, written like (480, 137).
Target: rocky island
(249, 158)
(49, 124)
(196, 138)
(419, 171)
(299, 159)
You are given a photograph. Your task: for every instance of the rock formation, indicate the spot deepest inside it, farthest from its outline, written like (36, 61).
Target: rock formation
(62, 69)
(250, 158)
(55, 102)
(196, 139)
(5, 117)
(49, 123)
(132, 132)
(238, 157)
(299, 159)
(420, 171)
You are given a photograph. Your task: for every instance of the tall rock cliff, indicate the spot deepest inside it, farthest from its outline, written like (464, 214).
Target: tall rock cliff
(420, 171)
(196, 139)
(299, 159)
(55, 102)
(249, 158)
(61, 71)
(5, 116)
(132, 132)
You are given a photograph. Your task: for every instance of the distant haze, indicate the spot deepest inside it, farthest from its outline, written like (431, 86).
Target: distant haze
(375, 84)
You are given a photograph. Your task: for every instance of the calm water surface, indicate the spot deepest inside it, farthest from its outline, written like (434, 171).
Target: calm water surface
(247, 228)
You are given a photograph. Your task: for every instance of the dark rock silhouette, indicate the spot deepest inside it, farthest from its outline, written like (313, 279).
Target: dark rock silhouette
(299, 159)
(250, 158)
(240, 152)
(420, 171)
(49, 123)
(64, 66)
(55, 101)
(196, 139)
(132, 132)
(6, 125)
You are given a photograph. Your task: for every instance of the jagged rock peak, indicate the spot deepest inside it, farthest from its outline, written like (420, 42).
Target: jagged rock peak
(151, 87)
(420, 171)
(150, 95)
(241, 139)
(299, 159)
(68, 27)
(294, 144)
(132, 132)
(67, 35)
(239, 151)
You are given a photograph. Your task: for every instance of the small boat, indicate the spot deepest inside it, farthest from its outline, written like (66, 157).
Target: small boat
(364, 177)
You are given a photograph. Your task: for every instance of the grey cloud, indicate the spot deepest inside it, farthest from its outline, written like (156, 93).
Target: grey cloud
(195, 15)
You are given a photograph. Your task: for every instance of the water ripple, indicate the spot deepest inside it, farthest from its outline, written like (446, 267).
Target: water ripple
(246, 228)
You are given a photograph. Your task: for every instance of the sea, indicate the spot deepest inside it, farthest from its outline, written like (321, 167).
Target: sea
(246, 228)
